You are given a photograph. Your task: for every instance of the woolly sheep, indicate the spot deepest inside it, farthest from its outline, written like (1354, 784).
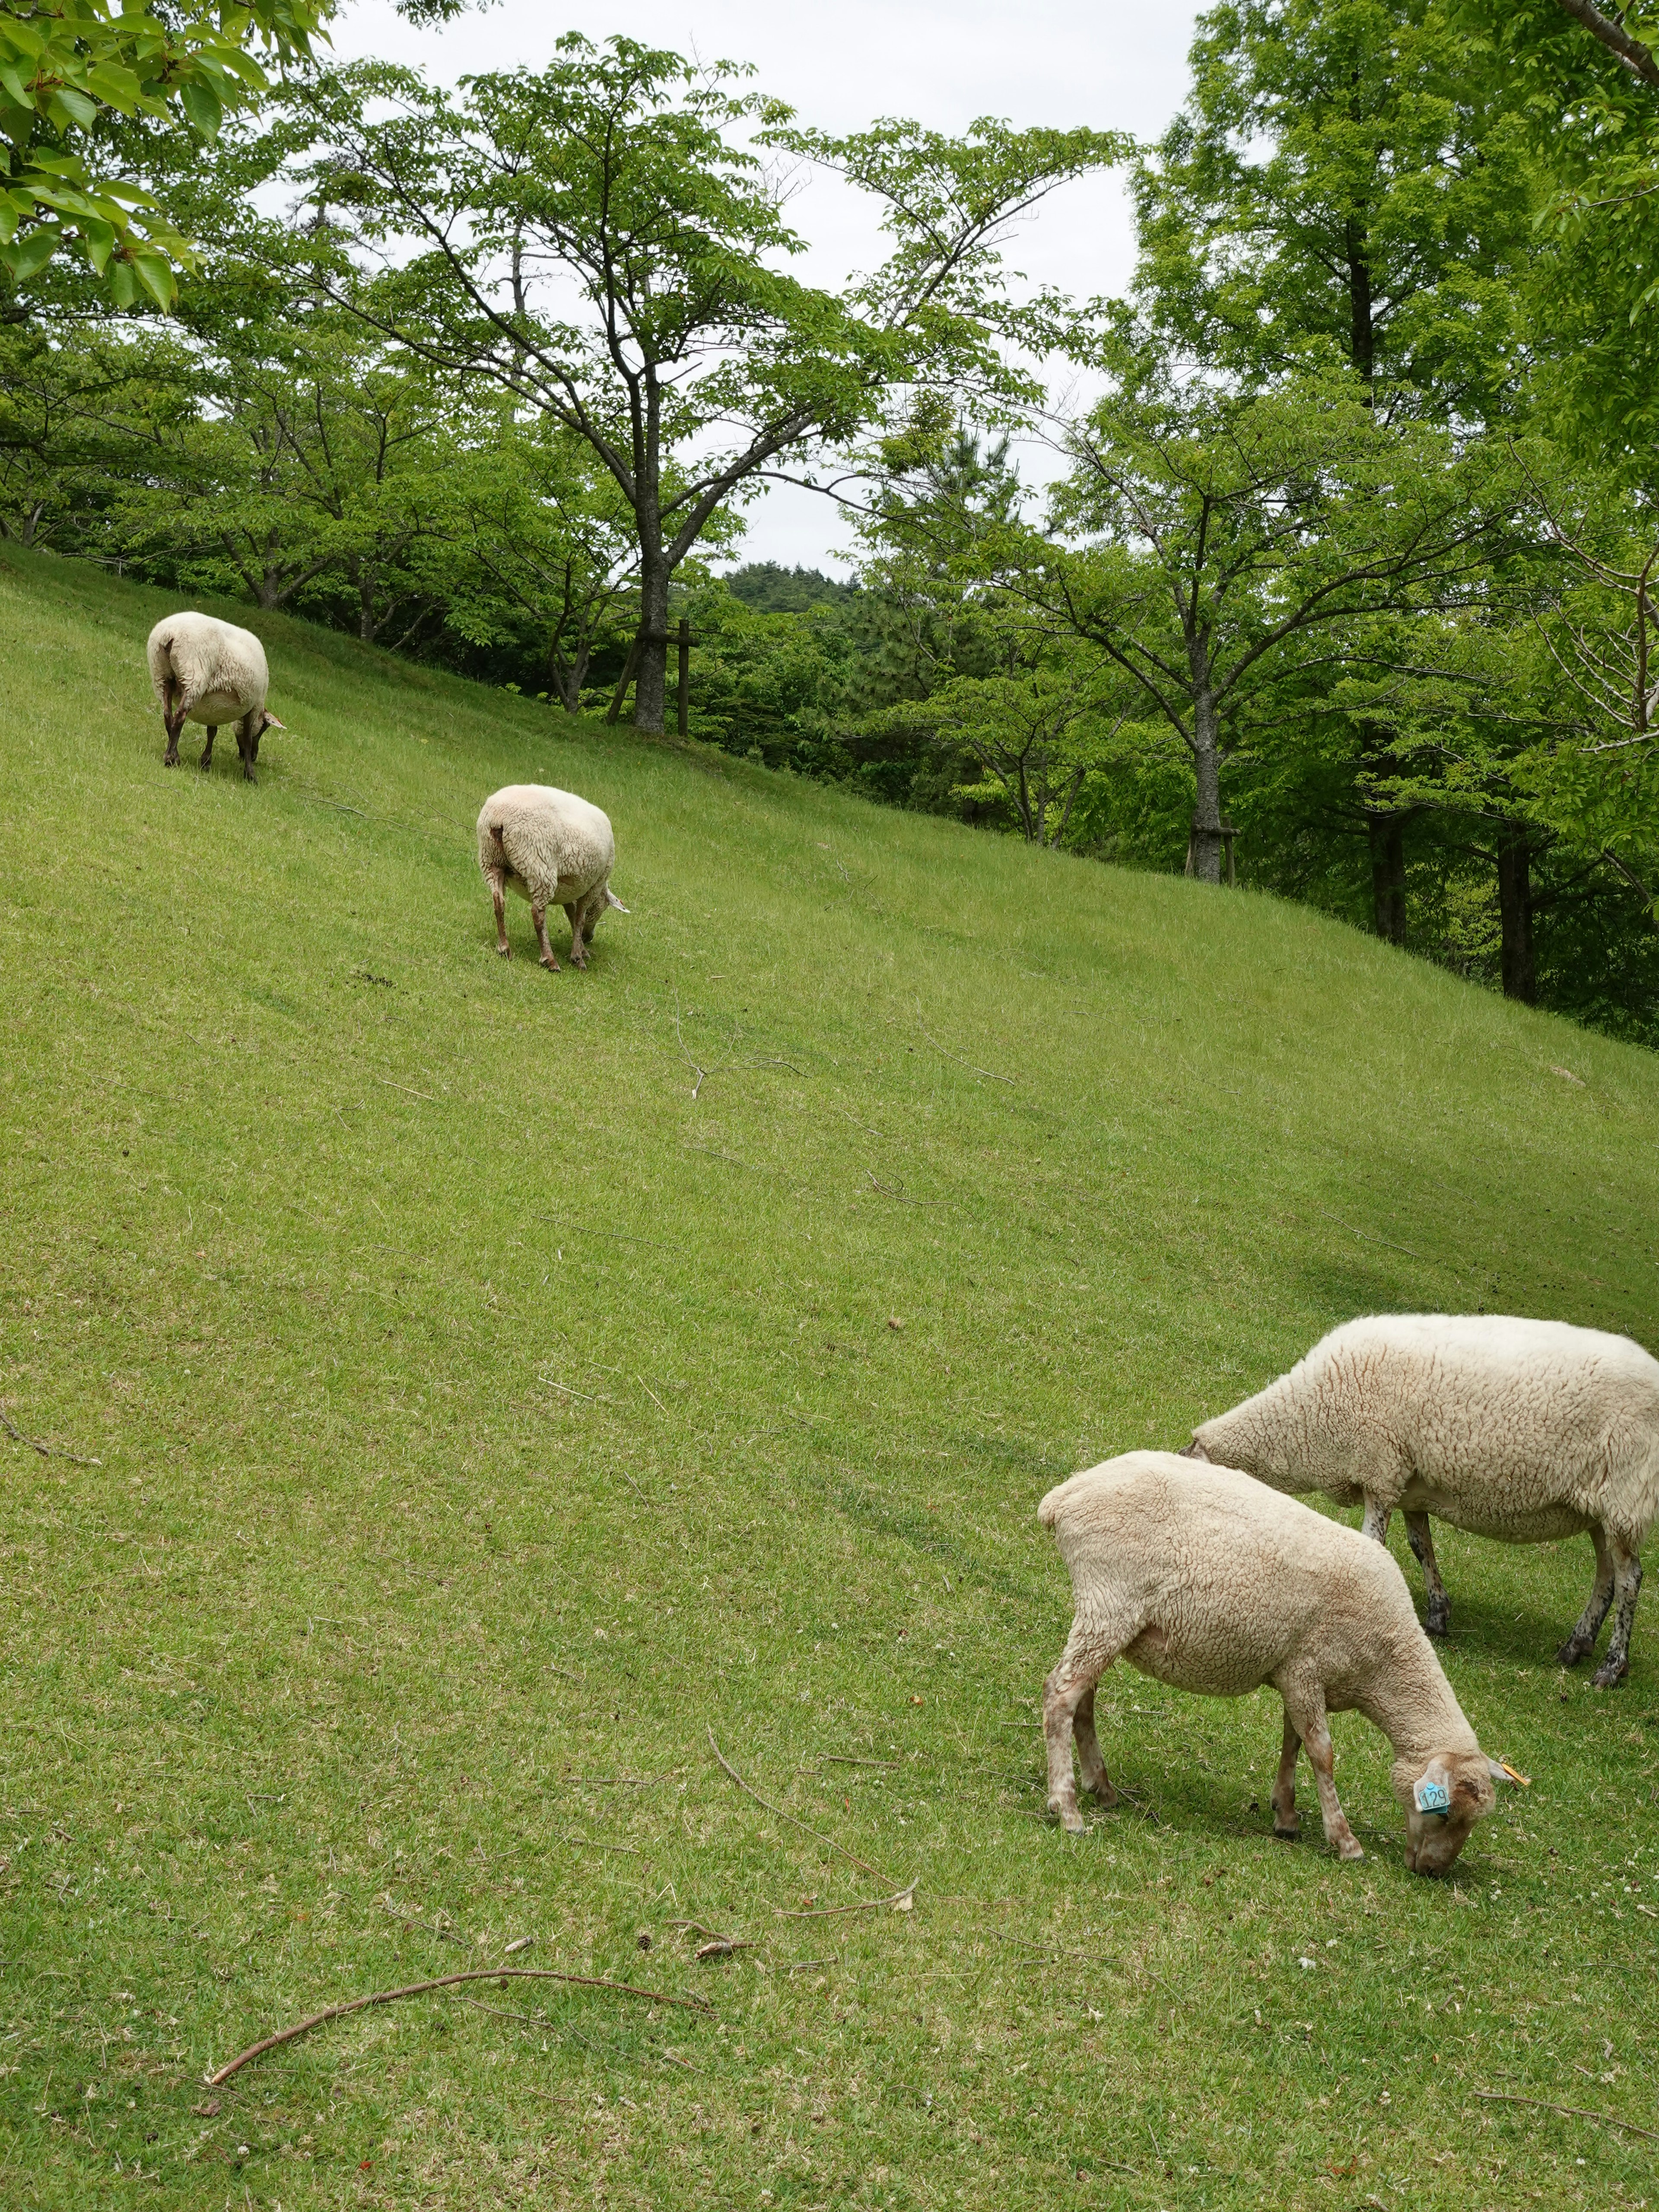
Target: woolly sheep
(1520, 1429)
(1211, 1582)
(209, 672)
(553, 849)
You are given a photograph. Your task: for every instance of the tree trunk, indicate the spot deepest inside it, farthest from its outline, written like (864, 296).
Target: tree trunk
(364, 580)
(1388, 837)
(1205, 853)
(1362, 329)
(1514, 912)
(651, 674)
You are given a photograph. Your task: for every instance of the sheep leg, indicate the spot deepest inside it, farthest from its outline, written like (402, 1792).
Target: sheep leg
(1080, 1667)
(1422, 1542)
(1305, 1711)
(1584, 1636)
(498, 899)
(1377, 1517)
(1627, 1575)
(173, 720)
(1090, 1762)
(573, 915)
(1287, 1821)
(207, 750)
(538, 915)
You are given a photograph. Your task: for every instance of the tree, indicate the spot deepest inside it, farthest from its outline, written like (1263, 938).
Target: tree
(546, 542)
(83, 82)
(1345, 181)
(1035, 732)
(1225, 543)
(592, 239)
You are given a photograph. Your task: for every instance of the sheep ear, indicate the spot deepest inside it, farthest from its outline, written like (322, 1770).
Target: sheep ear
(1432, 1793)
(1501, 1772)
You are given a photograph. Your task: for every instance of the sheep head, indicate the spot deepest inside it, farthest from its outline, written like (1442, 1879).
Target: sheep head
(1441, 1802)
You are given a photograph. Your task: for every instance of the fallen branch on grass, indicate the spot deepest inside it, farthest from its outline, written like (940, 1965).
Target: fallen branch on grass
(46, 1451)
(1572, 2112)
(779, 1814)
(448, 1982)
(900, 1901)
(989, 1073)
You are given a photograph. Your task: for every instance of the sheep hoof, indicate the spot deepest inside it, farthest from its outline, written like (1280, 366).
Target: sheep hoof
(1610, 1674)
(1287, 1835)
(1074, 1824)
(550, 963)
(1571, 1653)
(1437, 1623)
(504, 952)
(169, 760)
(1350, 1850)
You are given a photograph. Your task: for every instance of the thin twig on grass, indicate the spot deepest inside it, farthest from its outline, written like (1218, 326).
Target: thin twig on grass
(593, 1843)
(1572, 2112)
(778, 1813)
(650, 1394)
(552, 1383)
(634, 1487)
(990, 1074)
(806, 1966)
(391, 1086)
(846, 1759)
(46, 1451)
(900, 1901)
(1366, 1237)
(448, 1982)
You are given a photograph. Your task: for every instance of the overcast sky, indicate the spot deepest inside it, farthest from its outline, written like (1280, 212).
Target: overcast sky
(1113, 66)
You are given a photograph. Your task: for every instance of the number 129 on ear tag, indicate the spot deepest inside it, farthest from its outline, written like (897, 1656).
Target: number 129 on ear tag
(1432, 1797)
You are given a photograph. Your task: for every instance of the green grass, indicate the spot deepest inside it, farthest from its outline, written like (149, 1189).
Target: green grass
(494, 1384)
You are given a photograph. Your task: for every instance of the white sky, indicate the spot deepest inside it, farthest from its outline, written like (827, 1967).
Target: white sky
(1113, 65)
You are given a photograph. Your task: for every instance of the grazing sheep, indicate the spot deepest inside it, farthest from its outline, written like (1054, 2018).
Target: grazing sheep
(1520, 1429)
(209, 672)
(553, 849)
(1211, 1582)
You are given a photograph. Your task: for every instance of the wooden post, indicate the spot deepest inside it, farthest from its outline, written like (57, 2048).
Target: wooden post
(685, 676)
(627, 676)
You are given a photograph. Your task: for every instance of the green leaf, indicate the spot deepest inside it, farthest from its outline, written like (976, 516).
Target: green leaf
(11, 77)
(8, 222)
(84, 111)
(33, 251)
(156, 277)
(115, 86)
(201, 103)
(99, 239)
(122, 283)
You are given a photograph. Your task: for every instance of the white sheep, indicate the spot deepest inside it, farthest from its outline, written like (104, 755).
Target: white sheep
(1522, 1430)
(1211, 1582)
(207, 671)
(553, 849)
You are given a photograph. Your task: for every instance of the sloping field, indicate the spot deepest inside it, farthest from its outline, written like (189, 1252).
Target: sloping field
(478, 1394)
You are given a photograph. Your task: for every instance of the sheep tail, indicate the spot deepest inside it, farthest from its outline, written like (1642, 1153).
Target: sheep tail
(610, 899)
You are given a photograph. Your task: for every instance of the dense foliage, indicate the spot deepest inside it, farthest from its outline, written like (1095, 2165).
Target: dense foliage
(1343, 586)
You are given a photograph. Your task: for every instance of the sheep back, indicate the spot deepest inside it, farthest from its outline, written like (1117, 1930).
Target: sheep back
(550, 847)
(216, 671)
(1215, 1584)
(1515, 1429)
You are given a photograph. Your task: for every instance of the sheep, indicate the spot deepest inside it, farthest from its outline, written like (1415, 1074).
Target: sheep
(209, 672)
(1207, 1580)
(1520, 1429)
(553, 849)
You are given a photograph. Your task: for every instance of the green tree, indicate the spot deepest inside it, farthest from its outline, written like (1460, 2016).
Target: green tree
(1344, 182)
(1227, 545)
(593, 239)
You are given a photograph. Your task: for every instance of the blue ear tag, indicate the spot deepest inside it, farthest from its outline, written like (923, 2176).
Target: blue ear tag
(1432, 1797)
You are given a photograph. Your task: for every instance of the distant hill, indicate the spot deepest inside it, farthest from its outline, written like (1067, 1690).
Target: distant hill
(778, 591)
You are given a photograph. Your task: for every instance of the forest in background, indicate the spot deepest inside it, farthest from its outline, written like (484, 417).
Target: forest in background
(1343, 589)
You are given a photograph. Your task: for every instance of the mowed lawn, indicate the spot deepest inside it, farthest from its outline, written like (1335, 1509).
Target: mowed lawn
(491, 1391)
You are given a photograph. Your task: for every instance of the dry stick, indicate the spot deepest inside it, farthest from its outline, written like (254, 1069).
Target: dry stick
(1572, 2112)
(448, 1982)
(990, 1074)
(46, 1451)
(846, 1759)
(829, 1911)
(779, 1814)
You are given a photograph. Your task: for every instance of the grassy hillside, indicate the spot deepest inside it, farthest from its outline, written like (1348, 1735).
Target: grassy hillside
(486, 1385)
